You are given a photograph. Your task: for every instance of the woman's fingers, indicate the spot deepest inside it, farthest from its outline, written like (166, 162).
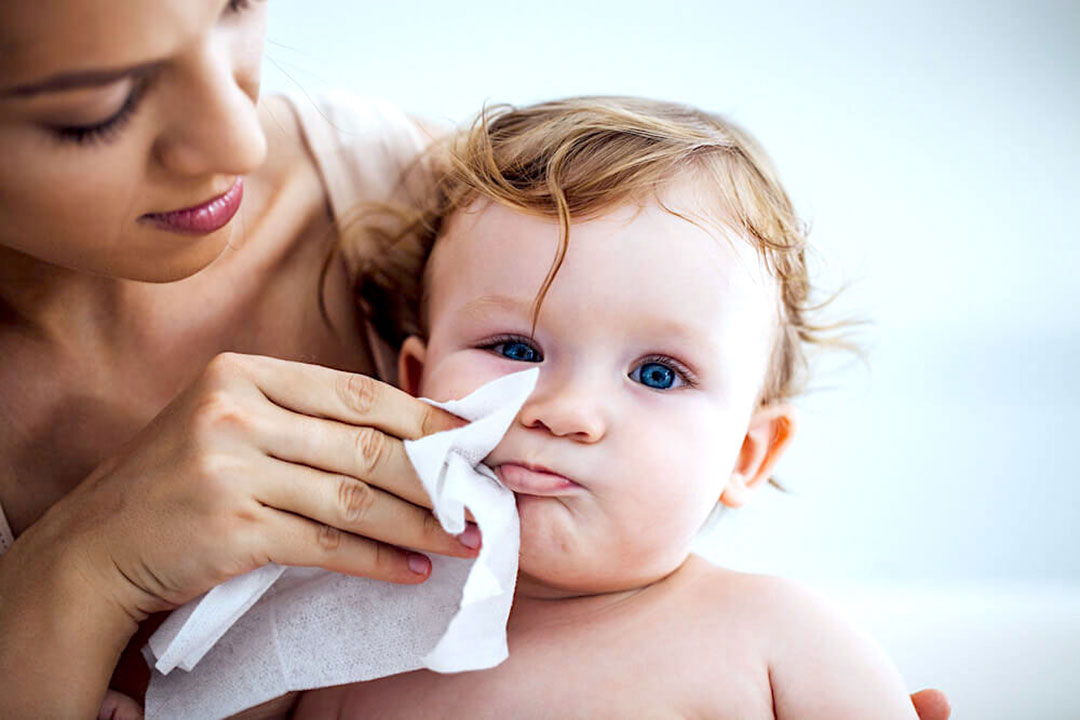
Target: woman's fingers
(364, 453)
(332, 454)
(293, 540)
(342, 396)
(357, 507)
(191, 501)
(117, 706)
(931, 704)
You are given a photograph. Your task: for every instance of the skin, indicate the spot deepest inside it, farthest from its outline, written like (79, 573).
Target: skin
(608, 316)
(153, 445)
(608, 593)
(140, 392)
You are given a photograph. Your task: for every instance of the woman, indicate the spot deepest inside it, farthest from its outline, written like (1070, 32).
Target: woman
(163, 239)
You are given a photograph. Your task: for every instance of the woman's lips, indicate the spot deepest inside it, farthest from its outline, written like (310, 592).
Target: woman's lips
(201, 219)
(534, 480)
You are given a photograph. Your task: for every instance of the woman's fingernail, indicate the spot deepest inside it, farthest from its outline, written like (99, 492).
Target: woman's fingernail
(471, 537)
(419, 564)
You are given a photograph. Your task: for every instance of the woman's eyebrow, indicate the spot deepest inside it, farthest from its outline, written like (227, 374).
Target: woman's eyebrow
(77, 80)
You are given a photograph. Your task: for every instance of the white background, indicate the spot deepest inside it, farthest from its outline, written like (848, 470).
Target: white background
(934, 149)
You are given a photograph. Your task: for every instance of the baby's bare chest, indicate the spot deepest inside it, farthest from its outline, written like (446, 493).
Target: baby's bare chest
(579, 674)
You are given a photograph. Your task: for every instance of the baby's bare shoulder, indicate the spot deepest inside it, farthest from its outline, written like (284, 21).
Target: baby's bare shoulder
(727, 596)
(704, 642)
(779, 613)
(818, 664)
(802, 658)
(736, 617)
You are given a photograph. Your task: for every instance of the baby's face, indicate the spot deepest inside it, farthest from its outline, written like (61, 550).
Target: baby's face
(652, 345)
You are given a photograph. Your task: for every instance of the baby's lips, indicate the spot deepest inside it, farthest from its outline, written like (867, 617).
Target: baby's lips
(534, 481)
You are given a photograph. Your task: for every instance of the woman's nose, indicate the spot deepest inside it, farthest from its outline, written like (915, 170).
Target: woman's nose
(566, 409)
(214, 129)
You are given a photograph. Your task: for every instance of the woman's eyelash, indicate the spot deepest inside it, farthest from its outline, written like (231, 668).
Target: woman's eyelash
(106, 129)
(237, 6)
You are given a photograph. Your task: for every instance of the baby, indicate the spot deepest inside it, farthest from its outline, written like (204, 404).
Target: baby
(645, 256)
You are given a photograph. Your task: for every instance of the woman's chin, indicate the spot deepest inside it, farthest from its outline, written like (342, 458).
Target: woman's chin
(171, 267)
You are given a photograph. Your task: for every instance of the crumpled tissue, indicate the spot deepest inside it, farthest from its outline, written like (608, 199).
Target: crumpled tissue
(278, 629)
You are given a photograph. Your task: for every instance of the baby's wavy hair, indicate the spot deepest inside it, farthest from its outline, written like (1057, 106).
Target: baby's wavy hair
(574, 159)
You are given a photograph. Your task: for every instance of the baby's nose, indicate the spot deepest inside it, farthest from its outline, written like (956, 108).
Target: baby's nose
(565, 410)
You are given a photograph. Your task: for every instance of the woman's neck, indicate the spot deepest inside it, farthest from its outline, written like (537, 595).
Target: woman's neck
(55, 305)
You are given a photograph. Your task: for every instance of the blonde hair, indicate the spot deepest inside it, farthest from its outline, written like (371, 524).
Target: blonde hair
(575, 158)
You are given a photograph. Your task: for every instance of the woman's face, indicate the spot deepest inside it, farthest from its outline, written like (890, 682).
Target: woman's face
(115, 114)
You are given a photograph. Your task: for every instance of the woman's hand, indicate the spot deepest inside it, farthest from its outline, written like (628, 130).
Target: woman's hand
(931, 705)
(117, 706)
(260, 460)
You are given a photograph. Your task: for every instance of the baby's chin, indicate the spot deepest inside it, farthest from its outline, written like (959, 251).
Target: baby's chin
(553, 568)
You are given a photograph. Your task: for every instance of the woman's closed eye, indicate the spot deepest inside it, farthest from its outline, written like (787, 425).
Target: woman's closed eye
(514, 347)
(662, 373)
(106, 129)
(238, 6)
(109, 127)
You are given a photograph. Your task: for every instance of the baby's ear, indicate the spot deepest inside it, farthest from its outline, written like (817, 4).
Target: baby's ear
(768, 435)
(411, 364)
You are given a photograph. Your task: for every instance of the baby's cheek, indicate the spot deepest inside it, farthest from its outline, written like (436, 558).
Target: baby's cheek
(658, 533)
(675, 487)
(457, 375)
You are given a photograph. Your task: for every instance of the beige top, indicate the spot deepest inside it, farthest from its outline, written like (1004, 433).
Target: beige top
(361, 147)
(5, 533)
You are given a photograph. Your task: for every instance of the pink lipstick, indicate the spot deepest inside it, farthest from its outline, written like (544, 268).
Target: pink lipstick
(203, 219)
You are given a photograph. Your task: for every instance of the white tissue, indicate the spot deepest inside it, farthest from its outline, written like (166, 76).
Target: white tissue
(280, 629)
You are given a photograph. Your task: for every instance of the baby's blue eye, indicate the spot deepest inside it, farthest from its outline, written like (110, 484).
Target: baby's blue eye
(654, 375)
(518, 350)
